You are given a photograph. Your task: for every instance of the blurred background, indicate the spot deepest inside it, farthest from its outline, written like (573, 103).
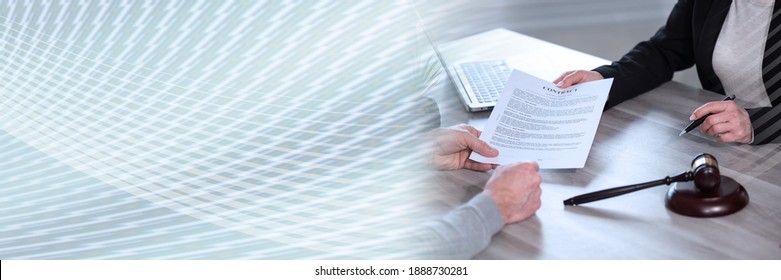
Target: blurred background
(604, 28)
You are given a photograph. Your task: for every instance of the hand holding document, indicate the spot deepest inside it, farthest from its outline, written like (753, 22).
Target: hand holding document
(534, 120)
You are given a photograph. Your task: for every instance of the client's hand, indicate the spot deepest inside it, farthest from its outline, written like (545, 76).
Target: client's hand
(571, 78)
(516, 190)
(453, 145)
(729, 122)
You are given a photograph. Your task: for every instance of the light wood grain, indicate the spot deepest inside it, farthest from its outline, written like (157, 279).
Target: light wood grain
(636, 141)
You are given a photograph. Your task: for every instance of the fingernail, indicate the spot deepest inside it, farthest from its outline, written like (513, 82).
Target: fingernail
(559, 84)
(692, 117)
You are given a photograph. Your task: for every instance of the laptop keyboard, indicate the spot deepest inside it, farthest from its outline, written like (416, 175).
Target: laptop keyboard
(486, 78)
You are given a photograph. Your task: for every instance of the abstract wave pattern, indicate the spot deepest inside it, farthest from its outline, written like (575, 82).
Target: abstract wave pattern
(210, 129)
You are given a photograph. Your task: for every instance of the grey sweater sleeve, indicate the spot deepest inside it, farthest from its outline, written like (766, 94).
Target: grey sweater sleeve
(465, 231)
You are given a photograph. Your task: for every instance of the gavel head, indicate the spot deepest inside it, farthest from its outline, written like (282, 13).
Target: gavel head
(706, 172)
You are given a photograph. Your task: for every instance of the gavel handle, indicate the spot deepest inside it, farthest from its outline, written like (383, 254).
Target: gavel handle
(608, 193)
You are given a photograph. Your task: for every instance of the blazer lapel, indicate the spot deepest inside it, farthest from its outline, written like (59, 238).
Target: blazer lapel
(712, 19)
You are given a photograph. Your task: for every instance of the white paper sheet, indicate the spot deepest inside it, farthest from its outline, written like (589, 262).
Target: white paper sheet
(534, 120)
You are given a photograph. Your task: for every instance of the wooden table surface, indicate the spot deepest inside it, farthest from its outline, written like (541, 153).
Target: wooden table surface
(636, 141)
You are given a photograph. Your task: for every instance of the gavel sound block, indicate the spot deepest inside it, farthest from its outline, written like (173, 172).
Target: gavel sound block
(686, 199)
(709, 194)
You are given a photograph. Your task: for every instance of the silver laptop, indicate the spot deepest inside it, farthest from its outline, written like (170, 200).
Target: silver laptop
(478, 83)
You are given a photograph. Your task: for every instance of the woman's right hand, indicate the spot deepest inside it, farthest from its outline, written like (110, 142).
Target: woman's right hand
(571, 78)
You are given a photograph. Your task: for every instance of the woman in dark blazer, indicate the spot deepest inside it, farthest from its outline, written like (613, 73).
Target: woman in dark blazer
(689, 38)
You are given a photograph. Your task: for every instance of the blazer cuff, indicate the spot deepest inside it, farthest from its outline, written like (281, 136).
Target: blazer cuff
(607, 71)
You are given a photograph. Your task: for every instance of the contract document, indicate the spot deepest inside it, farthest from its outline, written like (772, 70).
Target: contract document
(534, 120)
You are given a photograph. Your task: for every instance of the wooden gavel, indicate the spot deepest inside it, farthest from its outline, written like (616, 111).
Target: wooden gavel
(704, 172)
(709, 195)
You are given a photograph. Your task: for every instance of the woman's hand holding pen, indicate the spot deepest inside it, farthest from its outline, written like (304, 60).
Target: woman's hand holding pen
(728, 122)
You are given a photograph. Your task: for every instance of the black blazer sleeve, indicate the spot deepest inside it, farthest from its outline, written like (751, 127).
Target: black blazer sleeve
(654, 61)
(767, 124)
